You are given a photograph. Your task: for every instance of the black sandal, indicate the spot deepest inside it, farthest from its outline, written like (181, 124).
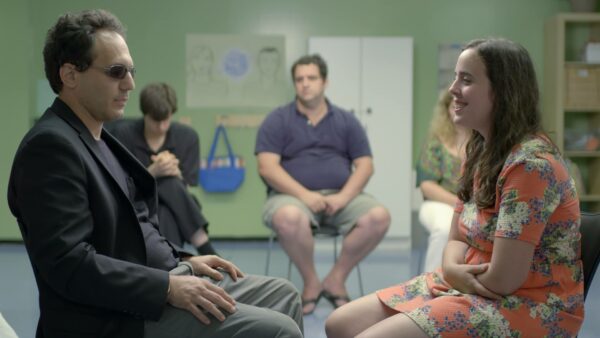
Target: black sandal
(334, 298)
(314, 301)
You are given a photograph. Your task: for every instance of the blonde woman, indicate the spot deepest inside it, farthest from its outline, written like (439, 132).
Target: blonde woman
(438, 171)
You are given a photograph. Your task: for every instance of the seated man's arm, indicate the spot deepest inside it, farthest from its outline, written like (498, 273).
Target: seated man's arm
(270, 169)
(50, 198)
(363, 170)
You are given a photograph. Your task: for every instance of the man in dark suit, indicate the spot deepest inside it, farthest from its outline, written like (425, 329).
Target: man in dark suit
(87, 212)
(170, 151)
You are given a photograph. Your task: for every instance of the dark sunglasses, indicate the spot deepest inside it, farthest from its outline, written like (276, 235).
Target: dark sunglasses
(117, 71)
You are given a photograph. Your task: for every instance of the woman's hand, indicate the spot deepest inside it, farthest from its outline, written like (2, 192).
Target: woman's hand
(463, 277)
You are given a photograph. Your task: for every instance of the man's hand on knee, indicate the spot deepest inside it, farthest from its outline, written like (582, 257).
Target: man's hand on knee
(200, 297)
(314, 200)
(336, 202)
(213, 267)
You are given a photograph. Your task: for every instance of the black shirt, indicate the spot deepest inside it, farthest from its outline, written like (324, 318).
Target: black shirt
(159, 253)
(181, 140)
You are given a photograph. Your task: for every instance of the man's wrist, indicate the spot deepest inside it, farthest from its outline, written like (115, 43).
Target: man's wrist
(168, 290)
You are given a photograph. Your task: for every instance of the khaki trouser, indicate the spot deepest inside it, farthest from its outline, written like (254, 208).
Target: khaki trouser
(266, 307)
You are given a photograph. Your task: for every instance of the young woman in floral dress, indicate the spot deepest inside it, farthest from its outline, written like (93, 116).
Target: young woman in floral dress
(512, 265)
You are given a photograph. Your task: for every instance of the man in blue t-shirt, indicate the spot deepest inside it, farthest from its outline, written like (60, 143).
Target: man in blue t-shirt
(315, 159)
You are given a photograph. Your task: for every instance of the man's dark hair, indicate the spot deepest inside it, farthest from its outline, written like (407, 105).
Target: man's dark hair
(158, 100)
(71, 40)
(314, 59)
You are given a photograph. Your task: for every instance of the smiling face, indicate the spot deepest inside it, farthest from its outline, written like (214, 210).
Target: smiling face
(101, 97)
(473, 98)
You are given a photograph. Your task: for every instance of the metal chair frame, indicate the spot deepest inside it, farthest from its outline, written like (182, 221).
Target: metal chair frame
(321, 232)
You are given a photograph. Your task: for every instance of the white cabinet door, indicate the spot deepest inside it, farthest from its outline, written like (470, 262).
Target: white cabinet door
(373, 78)
(343, 60)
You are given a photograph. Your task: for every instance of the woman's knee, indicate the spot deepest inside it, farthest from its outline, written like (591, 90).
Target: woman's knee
(336, 324)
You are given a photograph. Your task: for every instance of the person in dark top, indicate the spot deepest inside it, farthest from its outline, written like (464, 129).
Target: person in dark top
(171, 153)
(316, 160)
(87, 211)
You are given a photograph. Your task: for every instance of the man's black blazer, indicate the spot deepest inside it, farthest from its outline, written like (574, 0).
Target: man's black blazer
(81, 231)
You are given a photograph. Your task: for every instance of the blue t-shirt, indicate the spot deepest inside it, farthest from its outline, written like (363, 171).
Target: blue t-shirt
(318, 157)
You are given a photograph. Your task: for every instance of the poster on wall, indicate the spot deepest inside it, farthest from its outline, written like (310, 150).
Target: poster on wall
(236, 71)
(447, 57)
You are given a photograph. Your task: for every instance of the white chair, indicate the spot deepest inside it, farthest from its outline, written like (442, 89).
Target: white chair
(5, 330)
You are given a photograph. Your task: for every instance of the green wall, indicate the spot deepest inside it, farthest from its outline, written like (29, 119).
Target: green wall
(156, 37)
(16, 59)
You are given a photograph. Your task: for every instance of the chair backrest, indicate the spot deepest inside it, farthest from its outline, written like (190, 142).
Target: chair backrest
(590, 247)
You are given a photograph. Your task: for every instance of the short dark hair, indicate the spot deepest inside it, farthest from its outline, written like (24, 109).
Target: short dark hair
(71, 40)
(315, 59)
(158, 100)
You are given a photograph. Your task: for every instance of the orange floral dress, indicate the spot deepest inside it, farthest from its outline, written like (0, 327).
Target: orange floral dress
(536, 202)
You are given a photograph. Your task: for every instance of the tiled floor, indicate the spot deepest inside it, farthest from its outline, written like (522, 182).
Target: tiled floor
(390, 263)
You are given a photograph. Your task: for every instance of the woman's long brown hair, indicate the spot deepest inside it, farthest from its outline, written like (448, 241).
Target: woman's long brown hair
(515, 115)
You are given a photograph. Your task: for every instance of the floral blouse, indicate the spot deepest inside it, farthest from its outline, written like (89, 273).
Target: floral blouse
(536, 202)
(439, 165)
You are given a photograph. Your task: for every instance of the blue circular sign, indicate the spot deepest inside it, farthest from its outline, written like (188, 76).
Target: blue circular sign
(235, 64)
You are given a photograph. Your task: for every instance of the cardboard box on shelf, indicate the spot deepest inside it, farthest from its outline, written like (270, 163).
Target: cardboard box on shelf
(582, 86)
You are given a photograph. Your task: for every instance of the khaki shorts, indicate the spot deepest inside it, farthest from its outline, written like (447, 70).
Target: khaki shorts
(345, 219)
